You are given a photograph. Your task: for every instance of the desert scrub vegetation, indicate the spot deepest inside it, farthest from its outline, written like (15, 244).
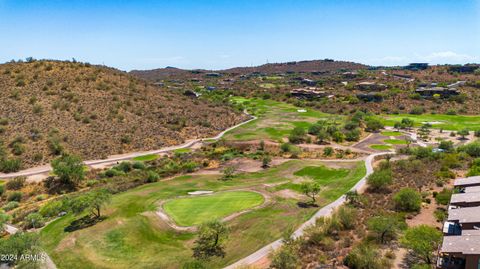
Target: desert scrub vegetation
(365, 231)
(76, 99)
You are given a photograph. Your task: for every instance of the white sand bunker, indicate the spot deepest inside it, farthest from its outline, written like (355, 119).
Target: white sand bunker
(432, 122)
(302, 110)
(199, 192)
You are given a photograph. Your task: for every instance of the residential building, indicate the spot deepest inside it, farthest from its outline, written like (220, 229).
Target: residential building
(443, 92)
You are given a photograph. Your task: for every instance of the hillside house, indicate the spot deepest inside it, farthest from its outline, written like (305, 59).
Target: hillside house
(463, 183)
(308, 93)
(308, 82)
(416, 66)
(371, 86)
(457, 84)
(443, 92)
(467, 68)
(460, 251)
(213, 75)
(350, 74)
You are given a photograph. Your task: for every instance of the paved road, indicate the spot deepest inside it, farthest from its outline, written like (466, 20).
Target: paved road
(47, 168)
(323, 212)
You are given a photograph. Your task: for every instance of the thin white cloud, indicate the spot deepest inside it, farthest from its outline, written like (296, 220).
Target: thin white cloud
(442, 57)
(448, 57)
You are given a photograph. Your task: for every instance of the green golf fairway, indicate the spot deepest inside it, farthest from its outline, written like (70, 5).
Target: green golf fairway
(391, 133)
(395, 141)
(196, 210)
(146, 158)
(381, 147)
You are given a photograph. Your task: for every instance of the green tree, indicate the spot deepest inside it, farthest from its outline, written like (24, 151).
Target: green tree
(422, 240)
(353, 198)
(328, 151)
(365, 256)
(4, 218)
(407, 199)
(407, 123)
(209, 242)
(21, 244)
(352, 135)
(284, 258)
(69, 169)
(228, 173)
(34, 220)
(463, 133)
(385, 227)
(311, 190)
(92, 201)
(266, 160)
(297, 135)
(314, 129)
(379, 179)
(322, 136)
(373, 125)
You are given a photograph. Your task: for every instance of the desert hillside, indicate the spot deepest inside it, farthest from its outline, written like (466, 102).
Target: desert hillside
(50, 107)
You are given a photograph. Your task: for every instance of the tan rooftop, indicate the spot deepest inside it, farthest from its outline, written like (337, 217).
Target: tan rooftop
(468, 181)
(465, 214)
(464, 244)
(472, 189)
(473, 197)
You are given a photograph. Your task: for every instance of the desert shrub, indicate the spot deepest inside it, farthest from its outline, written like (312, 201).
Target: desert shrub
(52, 209)
(34, 220)
(284, 258)
(152, 177)
(472, 149)
(418, 110)
(407, 199)
(113, 173)
(138, 165)
(10, 165)
(366, 256)
(11, 205)
(347, 217)
(285, 147)
(373, 125)
(386, 227)
(328, 151)
(352, 135)
(440, 214)
(446, 145)
(14, 196)
(297, 135)
(380, 179)
(443, 197)
(15, 183)
(124, 167)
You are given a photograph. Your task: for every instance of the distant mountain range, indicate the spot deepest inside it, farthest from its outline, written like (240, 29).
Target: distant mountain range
(297, 67)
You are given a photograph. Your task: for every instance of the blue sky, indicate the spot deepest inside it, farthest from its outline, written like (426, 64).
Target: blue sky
(221, 34)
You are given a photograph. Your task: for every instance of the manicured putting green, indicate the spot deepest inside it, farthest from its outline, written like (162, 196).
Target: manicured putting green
(146, 158)
(445, 122)
(395, 141)
(391, 133)
(192, 211)
(322, 174)
(186, 150)
(381, 147)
